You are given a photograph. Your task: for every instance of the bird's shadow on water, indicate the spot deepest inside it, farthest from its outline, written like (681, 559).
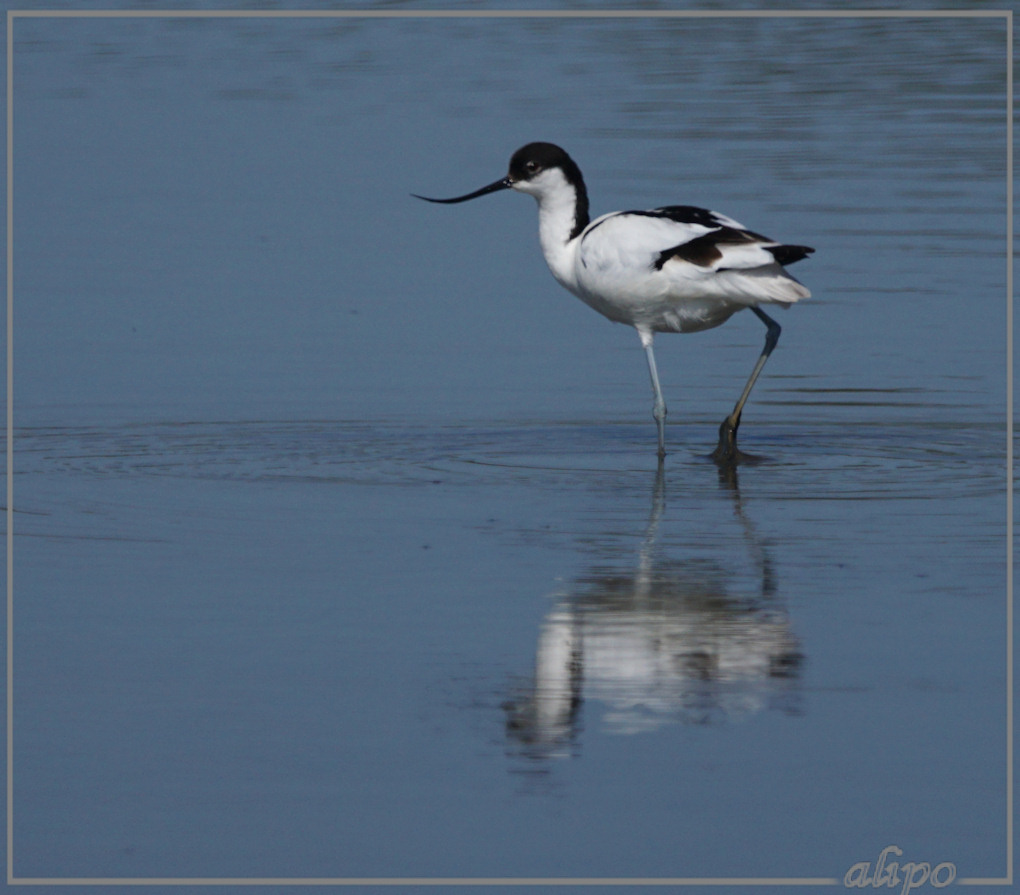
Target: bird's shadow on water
(675, 638)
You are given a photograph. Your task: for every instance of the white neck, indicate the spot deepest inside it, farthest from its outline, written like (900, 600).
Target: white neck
(557, 215)
(555, 221)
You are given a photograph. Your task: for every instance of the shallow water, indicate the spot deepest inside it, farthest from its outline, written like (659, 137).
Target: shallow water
(340, 547)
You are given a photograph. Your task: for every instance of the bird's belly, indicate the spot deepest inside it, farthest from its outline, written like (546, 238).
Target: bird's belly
(656, 304)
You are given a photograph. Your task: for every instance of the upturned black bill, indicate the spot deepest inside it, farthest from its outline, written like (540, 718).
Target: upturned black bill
(491, 188)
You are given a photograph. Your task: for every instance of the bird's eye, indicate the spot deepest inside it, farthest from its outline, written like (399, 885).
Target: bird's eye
(531, 166)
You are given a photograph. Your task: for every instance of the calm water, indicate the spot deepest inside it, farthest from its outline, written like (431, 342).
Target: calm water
(339, 545)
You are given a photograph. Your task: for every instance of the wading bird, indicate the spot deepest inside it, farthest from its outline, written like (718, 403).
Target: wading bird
(675, 269)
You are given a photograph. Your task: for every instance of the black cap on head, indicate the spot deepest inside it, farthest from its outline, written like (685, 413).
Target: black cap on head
(535, 158)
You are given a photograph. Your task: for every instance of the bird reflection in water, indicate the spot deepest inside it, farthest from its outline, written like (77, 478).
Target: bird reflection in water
(666, 642)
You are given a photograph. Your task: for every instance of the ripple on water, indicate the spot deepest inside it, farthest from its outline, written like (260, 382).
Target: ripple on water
(913, 460)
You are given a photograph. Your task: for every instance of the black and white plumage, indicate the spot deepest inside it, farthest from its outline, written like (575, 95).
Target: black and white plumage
(672, 269)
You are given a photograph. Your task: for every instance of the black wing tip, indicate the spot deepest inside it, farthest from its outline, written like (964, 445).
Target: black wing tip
(789, 254)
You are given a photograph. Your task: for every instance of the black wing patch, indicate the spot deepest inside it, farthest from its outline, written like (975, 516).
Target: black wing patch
(683, 214)
(704, 250)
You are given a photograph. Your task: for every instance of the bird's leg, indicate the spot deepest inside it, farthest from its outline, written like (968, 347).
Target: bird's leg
(727, 451)
(659, 407)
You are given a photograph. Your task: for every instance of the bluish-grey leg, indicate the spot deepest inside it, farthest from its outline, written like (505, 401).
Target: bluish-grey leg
(659, 407)
(727, 451)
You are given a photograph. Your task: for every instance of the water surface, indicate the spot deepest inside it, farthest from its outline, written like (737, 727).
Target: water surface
(340, 548)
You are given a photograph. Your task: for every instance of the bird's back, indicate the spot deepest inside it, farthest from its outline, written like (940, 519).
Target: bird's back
(680, 268)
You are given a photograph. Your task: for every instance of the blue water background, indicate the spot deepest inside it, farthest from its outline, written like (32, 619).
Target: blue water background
(306, 469)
